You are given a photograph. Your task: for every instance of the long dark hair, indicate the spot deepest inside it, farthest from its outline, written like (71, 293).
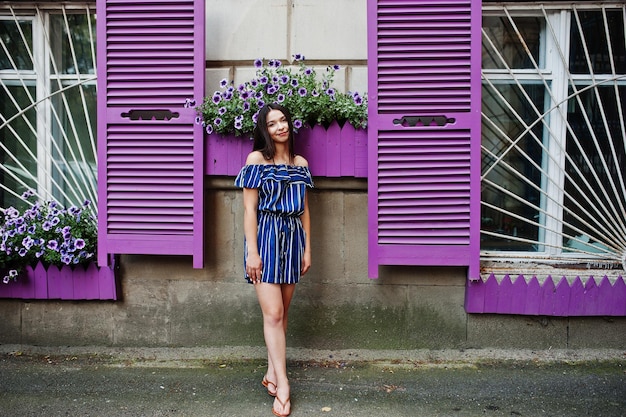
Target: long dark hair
(262, 140)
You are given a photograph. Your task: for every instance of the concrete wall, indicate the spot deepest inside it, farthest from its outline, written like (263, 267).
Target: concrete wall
(336, 306)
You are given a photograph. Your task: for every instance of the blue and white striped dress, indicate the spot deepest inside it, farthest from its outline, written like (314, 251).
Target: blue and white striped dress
(281, 237)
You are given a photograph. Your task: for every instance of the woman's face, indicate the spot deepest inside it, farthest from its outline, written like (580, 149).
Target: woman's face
(277, 126)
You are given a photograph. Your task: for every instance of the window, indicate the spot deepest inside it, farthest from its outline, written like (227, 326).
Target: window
(553, 134)
(47, 103)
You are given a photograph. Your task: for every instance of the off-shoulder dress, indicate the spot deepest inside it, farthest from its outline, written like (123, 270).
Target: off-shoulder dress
(280, 235)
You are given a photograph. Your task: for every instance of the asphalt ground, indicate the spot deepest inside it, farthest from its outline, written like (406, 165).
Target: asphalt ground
(95, 381)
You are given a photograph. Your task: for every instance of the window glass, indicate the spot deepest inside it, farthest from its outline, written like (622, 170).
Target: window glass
(506, 138)
(18, 153)
(75, 166)
(594, 32)
(597, 152)
(507, 45)
(14, 43)
(81, 39)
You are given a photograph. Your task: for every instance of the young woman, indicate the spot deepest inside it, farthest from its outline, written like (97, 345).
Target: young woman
(277, 229)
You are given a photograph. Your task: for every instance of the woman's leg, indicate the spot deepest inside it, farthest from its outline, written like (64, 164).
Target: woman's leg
(275, 301)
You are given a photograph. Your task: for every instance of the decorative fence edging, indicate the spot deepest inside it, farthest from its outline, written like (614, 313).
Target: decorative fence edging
(333, 152)
(563, 299)
(66, 283)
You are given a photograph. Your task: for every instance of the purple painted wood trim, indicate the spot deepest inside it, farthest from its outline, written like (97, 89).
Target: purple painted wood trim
(555, 297)
(333, 152)
(66, 283)
(119, 93)
(422, 93)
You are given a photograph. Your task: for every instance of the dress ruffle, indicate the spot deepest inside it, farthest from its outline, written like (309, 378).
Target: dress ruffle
(252, 176)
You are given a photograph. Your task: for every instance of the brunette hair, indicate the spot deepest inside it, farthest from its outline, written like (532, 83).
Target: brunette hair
(262, 139)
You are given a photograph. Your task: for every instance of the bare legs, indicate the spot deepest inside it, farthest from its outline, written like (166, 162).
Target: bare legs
(274, 300)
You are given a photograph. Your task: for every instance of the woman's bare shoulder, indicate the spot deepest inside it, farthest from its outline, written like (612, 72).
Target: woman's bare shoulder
(300, 161)
(255, 158)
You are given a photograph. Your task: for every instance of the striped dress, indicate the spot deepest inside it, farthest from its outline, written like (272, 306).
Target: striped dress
(281, 237)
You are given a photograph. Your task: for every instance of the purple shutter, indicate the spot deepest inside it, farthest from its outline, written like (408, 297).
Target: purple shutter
(150, 167)
(424, 133)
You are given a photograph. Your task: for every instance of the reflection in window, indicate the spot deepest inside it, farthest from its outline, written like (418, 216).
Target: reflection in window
(504, 42)
(593, 29)
(13, 35)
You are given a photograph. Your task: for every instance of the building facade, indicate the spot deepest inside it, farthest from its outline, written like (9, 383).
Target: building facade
(498, 199)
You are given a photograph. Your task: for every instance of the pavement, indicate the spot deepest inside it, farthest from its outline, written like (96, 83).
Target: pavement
(120, 382)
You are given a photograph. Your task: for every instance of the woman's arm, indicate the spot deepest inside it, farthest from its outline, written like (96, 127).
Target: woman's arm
(254, 266)
(306, 225)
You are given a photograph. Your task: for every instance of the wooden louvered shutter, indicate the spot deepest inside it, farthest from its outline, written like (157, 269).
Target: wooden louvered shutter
(424, 133)
(150, 166)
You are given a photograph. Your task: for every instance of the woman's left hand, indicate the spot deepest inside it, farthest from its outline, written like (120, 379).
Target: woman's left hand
(306, 263)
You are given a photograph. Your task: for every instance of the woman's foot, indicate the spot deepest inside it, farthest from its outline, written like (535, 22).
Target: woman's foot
(271, 387)
(283, 409)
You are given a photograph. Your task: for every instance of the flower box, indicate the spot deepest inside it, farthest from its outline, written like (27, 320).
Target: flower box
(333, 152)
(65, 283)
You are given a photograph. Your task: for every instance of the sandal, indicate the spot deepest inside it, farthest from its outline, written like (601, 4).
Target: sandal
(283, 404)
(266, 383)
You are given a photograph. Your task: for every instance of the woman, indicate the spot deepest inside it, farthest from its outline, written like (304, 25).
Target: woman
(277, 228)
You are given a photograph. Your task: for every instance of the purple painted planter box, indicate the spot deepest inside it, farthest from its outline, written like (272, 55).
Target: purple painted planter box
(66, 283)
(333, 152)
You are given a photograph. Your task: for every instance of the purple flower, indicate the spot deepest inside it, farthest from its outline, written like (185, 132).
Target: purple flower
(246, 106)
(238, 124)
(297, 123)
(358, 100)
(284, 79)
(331, 92)
(258, 63)
(294, 82)
(86, 203)
(223, 83)
(336, 67)
(217, 97)
(271, 89)
(32, 229)
(264, 80)
(28, 194)
(308, 71)
(260, 104)
(298, 57)
(46, 226)
(280, 98)
(302, 91)
(209, 129)
(198, 120)
(217, 121)
(52, 245)
(23, 252)
(222, 110)
(254, 82)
